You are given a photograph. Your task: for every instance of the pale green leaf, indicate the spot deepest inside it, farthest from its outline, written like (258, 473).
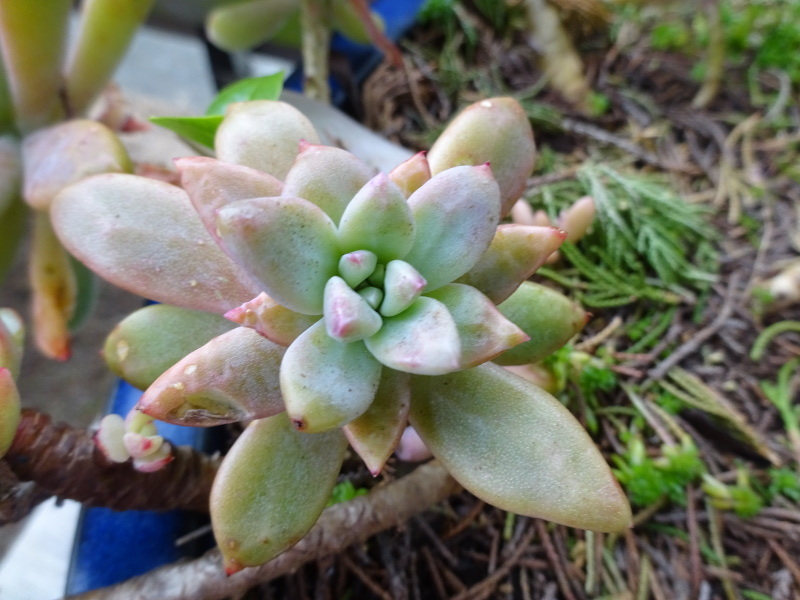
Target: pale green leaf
(515, 446)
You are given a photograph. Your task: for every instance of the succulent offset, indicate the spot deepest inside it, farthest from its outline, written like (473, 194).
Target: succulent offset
(364, 302)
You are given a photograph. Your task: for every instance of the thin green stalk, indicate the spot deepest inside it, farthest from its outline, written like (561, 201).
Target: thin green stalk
(32, 39)
(765, 337)
(106, 30)
(6, 108)
(315, 20)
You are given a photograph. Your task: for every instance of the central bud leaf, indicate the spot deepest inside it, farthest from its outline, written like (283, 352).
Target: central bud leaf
(348, 316)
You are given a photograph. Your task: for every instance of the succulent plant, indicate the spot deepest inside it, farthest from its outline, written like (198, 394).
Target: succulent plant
(364, 302)
(12, 335)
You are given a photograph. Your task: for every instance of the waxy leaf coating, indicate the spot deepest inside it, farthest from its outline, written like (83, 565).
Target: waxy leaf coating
(423, 339)
(234, 377)
(325, 176)
(516, 447)
(378, 219)
(455, 214)
(375, 434)
(149, 341)
(271, 488)
(327, 383)
(547, 316)
(211, 184)
(287, 244)
(144, 236)
(264, 135)
(516, 252)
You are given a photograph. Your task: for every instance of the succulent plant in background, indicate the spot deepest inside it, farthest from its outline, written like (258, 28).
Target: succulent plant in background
(308, 24)
(12, 334)
(46, 143)
(363, 302)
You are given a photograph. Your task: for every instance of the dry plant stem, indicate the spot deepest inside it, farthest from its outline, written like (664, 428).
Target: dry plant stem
(715, 58)
(17, 499)
(65, 462)
(315, 18)
(339, 526)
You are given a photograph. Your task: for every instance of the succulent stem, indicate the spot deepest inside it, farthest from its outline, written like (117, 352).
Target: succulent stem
(106, 30)
(32, 38)
(65, 462)
(339, 526)
(315, 19)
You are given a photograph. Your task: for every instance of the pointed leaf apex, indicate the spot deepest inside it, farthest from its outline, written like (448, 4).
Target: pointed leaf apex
(232, 566)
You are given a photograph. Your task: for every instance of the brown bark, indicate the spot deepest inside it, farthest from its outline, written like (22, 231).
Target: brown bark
(339, 526)
(64, 462)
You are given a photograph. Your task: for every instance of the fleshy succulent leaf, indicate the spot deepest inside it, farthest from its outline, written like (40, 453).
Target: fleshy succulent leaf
(327, 383)
(65, 153)
(272, 320)
(109, 438)
(152, 339)
(244, 25)
(234, 377)
(496, 131)
(484, 332)
(211, 184)
(144, 236)
(547, 316)
(375, 434)
(378, 219)
(9, 410)
(53, 289)
(326, 176)
(10, 171)
(455, 214)
(535, 459)
(348, 316)
(12, 338)
(264, 135)
(423, 339)
(355, 267)
(516, 252)
(271, 488)
(288, 244)
(411, 174)
(12, 230)
(402, 284)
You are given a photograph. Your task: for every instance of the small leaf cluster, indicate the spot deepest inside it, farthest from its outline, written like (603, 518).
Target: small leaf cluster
(641, 245)
(649, 479)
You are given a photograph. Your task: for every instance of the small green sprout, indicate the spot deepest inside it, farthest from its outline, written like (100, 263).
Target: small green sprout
(344, 491)
(741, 498)
(648, 479)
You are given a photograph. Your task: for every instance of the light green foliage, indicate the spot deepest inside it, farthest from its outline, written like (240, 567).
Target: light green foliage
(344, 491)
(648, 479)
(740, 497)
(648, 243)
(203, 129)
(783, 482)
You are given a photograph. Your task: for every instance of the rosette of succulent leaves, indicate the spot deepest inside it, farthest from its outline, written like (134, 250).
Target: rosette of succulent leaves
(328, 305)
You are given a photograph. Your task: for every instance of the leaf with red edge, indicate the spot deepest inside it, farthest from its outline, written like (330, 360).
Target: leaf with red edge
(234, 377)
(144, 236)
(211, 184)
(516, 252)
(288, 244)
(375, 434)
(483, 330)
